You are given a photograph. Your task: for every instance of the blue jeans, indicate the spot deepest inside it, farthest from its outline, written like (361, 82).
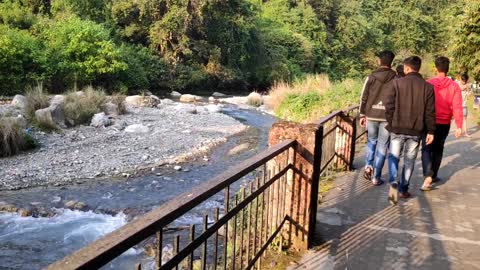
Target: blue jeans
(409, 145)
(378, 140)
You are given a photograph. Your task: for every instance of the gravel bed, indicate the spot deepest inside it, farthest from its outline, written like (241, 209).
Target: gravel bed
(82, 153)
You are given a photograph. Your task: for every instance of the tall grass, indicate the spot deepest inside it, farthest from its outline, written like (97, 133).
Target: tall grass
(313, 98)
(119, 100)
(80, 107)
(13, 137)
(280, 90)
(37, 99)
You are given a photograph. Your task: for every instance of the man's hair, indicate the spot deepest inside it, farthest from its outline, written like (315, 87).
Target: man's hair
(386, 58)
(414, 62)
(465, 77)
(442, 64)
(399, 70)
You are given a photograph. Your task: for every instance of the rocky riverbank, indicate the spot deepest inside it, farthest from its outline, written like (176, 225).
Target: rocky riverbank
(143, 139)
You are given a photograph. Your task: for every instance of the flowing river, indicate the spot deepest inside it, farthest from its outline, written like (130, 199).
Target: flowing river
(33, 243)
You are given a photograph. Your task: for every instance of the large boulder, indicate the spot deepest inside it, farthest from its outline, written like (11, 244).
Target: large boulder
(190, 98)
(142, 101)
(9, 110)
(137, 128)
(53, 115)
(101, 120)
(57, 100)
(20, 102)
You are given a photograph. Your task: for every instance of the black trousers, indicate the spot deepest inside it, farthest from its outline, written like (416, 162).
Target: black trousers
(432, 154)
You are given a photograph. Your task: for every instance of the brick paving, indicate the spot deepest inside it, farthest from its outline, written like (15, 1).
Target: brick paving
(358, 229)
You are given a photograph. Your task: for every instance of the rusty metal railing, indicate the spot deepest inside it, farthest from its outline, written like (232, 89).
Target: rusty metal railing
(258, 199)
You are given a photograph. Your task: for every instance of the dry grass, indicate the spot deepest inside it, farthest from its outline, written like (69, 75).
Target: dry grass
(280, 90)
(81, 106)
(13, 137)
(37, 99)
(254, 99)
(119, 100)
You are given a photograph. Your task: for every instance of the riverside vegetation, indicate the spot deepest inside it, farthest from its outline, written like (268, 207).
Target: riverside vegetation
(197, 46)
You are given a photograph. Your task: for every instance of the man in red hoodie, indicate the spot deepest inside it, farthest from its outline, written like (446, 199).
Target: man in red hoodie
(448, 103)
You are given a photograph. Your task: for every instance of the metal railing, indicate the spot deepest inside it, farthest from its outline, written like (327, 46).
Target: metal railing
(258, 201)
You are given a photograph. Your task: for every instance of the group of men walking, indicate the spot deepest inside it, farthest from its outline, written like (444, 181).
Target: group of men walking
(402, 111)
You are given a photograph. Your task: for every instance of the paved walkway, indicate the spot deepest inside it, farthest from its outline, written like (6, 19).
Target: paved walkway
(358, 229)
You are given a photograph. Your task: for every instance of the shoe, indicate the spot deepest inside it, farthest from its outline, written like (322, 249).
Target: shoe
(367, 174)
(427, 184)
(436, 179)
(405, 195)
(393, 193)
(377, 182)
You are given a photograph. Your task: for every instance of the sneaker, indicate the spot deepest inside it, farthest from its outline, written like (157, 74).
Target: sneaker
(377, 182)
(405, 195)
(436, 179)
(393, 193)
(427, 184)
(367, 174)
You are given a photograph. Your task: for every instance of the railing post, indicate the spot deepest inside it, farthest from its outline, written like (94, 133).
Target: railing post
(353, 140)
(302, 181)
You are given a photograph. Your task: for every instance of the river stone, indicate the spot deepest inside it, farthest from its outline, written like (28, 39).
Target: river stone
(212, 100)
(79, 206)
(175, 94)
(218, 94)
(186, 108)
(20, 102)
(7, 207)
(142, 101)
(168, 101)
(52, 115)
(57, 99)
(101, 120)
(190, 98)
(213, 108)
(70, 204)
(137, 128)
(24, 212)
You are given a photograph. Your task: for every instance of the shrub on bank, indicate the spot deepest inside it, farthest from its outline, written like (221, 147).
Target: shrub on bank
(13, 137)
(313, 98)
(81, 106)
(254, 99)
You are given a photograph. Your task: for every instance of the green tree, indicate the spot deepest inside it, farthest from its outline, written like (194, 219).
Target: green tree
(467, 43)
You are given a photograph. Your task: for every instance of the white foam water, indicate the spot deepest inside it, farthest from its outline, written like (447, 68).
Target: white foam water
(45, 240)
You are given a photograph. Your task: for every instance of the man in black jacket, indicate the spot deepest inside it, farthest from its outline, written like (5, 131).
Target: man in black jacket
(410, 111)
(372, 111)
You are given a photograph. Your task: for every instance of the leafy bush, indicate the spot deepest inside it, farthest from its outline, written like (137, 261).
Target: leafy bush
(299, 104)
(254, 99)
(299, 107)
(13, 137)
(21, 60)
(37, 99)
(81, 106)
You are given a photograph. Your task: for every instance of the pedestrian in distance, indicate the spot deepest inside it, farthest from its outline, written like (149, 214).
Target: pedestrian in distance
(410, 113)
(372, 112)
(466, 89)
(448, 104)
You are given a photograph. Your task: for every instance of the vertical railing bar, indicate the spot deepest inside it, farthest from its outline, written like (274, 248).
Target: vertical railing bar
(215, 240)
(176, 247)
(267, 205)
(254, 224)
(262, 180)
(204, 248)
(305, 213)
(299, 194)
(257, 181)
(242, 223)
(292, 202)
(192, 237)
(234, 237)
(250, 216)
(158, 259)
(225, 241)
(138, 266)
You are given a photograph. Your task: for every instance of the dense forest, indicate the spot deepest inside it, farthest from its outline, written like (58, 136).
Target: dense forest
(228, 45)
